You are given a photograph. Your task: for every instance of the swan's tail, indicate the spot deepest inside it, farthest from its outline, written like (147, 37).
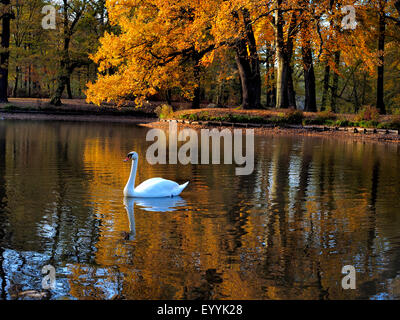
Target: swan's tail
(180, 188)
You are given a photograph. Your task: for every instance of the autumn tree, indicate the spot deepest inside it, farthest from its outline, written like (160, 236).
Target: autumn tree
(159, 47)
(72, 12)
(380, 104)
(247, 59)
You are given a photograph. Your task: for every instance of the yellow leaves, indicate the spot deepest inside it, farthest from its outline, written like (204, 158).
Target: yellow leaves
(208, 58)
(144, 57)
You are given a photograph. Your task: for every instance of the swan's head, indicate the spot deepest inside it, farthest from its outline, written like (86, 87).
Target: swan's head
(131, 156)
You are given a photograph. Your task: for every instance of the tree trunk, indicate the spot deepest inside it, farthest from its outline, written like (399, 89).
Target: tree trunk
(290, 88)
(335, 83)
(285, 93)
(380, 104)
(270, 83)
(168, 96)
(5, 53)
(64, 72)
(255, 77)
(61, 84)
(281, 89)
(29, 81)
(69, 91)
(251, 94)
(197, 91)
(310, 103)
(325, 91)
(17, 75)
(248, 64)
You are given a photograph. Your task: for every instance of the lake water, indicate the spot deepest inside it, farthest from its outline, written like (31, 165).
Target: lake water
(311, 206)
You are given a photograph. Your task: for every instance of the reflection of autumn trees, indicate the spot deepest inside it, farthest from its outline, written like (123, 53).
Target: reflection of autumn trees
(42, 184)
(283, 232)
(310, 207)
(3, 214)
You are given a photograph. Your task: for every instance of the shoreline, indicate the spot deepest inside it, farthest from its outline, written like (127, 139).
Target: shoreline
(151, 122)
(65, 116)
(289, 131)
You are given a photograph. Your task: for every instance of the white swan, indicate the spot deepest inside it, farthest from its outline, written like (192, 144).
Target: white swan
(152, 188)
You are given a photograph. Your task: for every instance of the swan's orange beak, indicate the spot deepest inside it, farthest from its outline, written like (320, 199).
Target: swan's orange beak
(126, 159)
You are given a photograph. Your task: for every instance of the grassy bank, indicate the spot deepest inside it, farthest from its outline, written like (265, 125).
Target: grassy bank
(367, 118)
(74, 107)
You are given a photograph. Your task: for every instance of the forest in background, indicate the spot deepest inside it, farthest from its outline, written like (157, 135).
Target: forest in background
(257, 54)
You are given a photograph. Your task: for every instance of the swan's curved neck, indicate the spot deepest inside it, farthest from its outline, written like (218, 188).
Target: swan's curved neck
(131, 181)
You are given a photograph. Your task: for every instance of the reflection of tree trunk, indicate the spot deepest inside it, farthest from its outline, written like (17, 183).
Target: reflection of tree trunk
(3, 204)
(304, 175)
(372, 215)
(279, 199)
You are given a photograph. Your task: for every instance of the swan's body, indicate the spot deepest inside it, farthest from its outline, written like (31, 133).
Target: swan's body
(152, 188)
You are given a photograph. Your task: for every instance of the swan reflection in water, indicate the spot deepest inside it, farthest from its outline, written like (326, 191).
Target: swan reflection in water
(151, 205)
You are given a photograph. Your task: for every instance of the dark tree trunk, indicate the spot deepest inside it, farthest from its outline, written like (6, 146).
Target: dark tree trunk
(285, 93)
(325, 91)
(29, 81)
(248, 64)
(17, 75)
(5, 53)
(335, 83)
(168, 96)
(61, 84)
(380, 104)
(270, 85)
(250, 85)
(196, 98)
(66, 67)
(310, 103)
(63, 74)
(69, 91)
(254, 61)
(290, 88)
(289, 53)
(197, 90)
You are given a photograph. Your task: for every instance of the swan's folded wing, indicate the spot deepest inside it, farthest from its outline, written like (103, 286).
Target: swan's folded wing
(158, 187)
